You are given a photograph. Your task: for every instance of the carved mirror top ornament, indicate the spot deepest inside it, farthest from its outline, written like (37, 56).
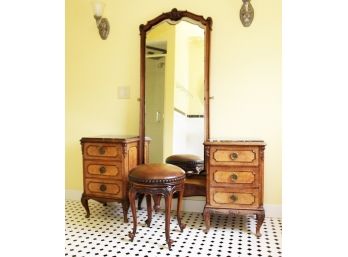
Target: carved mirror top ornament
(246, 13)
(175, 15)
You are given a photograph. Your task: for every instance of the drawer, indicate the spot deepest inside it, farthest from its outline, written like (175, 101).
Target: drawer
(99, 150)
(234, 198)
(234, 156)
(103, 188)
(238, 176)
(103, 169)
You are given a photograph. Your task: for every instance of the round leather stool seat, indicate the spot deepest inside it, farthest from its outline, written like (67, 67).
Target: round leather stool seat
(155, 180)
(191, 164)
(156, 173)
(184, 158)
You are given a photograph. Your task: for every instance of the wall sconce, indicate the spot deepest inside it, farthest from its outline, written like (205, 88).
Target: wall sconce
(102, 23)
(246, 13)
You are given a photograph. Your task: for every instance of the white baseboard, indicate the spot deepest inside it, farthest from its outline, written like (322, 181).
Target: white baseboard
(190, 204)
(273, 210)
(71, 194)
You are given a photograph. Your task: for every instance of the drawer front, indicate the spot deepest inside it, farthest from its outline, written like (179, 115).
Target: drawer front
(95, 150)
(103, 188)
(231, 198)
(234, 156)
(103, 169)
(224, 176)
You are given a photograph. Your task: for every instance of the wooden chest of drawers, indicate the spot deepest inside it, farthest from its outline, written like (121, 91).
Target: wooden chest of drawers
(234, 179)
(106, 162)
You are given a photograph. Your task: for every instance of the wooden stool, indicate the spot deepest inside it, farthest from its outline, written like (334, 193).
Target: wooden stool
(153, 180)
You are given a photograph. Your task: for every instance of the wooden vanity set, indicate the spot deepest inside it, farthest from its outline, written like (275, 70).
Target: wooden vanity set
(117, 168)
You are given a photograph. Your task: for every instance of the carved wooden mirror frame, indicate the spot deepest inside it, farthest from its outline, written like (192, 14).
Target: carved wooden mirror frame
(174, 15)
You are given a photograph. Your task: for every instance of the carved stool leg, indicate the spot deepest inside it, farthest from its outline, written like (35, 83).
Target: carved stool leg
(132, 193)
(206, 214)
(125, 207)
(149, 210)
(157, 200)
(84, 201)
(179, 206)
(168, 203)
(140, 199)
(260, 218)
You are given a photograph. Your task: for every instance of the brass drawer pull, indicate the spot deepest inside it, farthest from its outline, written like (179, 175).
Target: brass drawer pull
(102, 188)
(234, 198)
(234, 177)
(234, 156)
(102, 169)
(101, 150)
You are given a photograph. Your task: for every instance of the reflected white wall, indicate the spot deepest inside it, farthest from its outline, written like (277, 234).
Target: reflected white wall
(188, 135)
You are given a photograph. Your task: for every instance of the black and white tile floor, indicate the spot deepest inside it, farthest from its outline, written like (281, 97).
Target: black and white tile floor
(105, 234)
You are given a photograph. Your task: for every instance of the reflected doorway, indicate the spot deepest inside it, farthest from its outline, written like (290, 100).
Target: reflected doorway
(154, 105)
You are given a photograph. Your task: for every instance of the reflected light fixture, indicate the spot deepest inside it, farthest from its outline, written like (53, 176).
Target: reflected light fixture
(102, 23)
(246, 13)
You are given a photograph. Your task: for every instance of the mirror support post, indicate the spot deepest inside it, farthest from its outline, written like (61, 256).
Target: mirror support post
(208, 27)
(141, 152)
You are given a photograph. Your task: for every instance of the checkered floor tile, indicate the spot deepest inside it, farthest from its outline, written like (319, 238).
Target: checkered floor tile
(105, 234)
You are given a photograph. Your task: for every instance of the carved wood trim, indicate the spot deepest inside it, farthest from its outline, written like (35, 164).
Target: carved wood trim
(156, 181)
(262, 152)
(156, 189)
(124, 150)
(207, 152)
(175, 15)
(236, 211)
(82, 148)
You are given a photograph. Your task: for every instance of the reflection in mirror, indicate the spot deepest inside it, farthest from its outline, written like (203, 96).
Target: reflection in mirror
(174, 90)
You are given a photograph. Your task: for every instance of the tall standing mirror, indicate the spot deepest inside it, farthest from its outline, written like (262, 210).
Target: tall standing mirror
(174, 85)
(174, 93)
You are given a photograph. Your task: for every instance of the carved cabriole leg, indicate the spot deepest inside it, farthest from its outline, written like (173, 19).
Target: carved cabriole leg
(206, 214)
(179, 206)
(149, 210)
(260, 218)
(125, 207)
(168, 203)
(157, 200)
(131, 194)
(140, 199)
(84, 201)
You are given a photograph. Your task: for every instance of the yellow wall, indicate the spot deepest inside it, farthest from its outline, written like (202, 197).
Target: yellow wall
(181, 96)
(196, 75)
(245, 76)
(189, 65)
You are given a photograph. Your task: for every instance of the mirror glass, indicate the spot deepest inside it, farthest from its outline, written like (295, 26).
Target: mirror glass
(174, 89)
